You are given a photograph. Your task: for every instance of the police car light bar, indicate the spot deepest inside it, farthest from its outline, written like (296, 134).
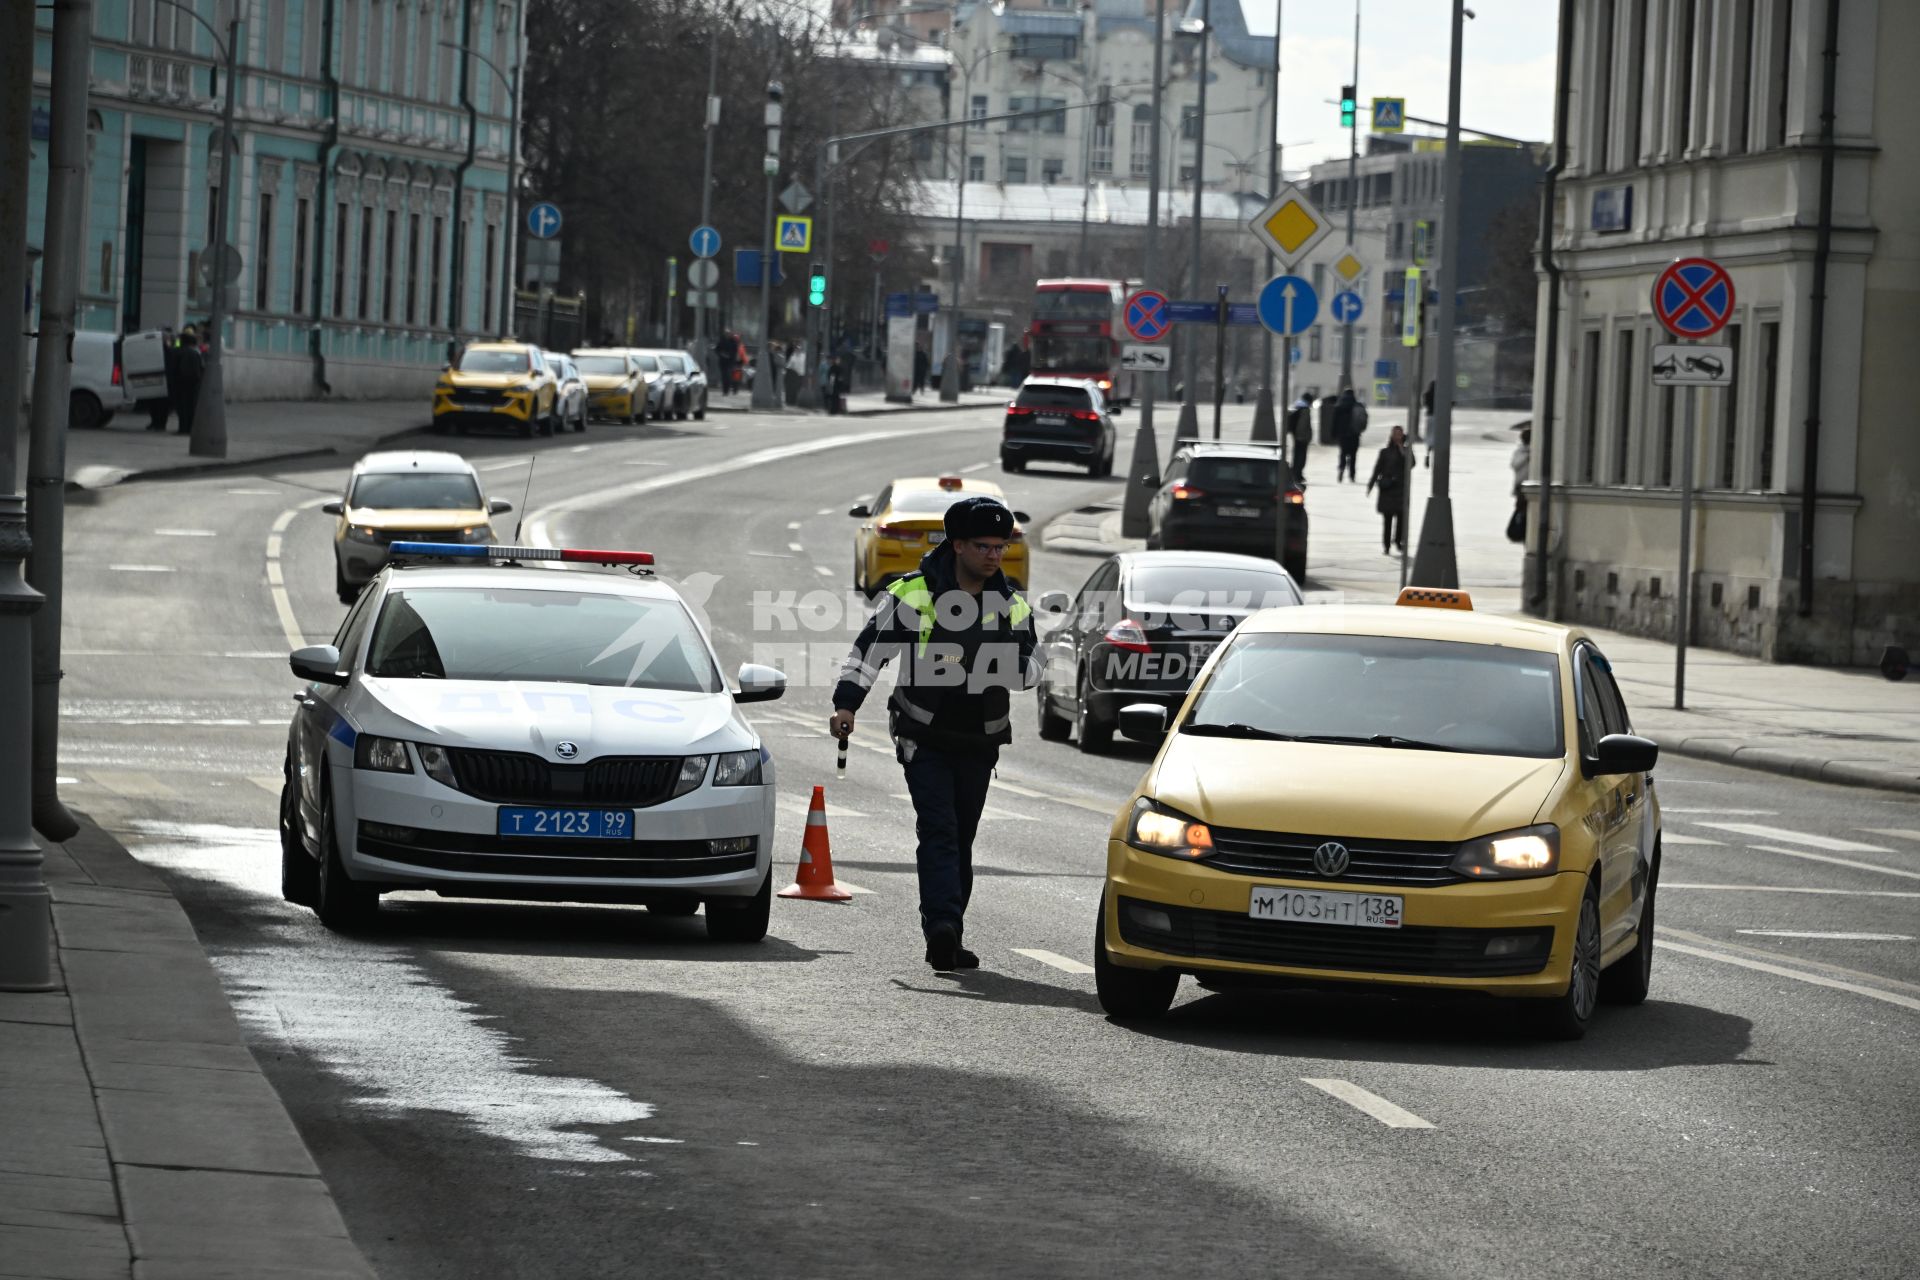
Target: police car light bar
(469, 551)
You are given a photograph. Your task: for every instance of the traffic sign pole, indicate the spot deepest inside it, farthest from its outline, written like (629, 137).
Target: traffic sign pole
(1219, 361)
(1683, 611)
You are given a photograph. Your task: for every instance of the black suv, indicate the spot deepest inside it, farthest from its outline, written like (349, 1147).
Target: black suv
(1223, 497)
(1059, 420)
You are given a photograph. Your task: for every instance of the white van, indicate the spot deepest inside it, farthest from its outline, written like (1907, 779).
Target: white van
(110, 374)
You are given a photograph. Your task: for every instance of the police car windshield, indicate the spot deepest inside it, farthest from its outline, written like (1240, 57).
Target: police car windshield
(415, 491)
(494, 362)
(540, 635)
(1474, 698)
(603, 366)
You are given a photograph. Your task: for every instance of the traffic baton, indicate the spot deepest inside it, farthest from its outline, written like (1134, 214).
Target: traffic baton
(842, 765)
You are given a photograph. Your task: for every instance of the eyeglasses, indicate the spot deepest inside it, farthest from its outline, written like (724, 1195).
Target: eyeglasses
(988, 548)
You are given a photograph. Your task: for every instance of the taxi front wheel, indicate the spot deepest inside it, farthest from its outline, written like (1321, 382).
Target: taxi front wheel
(1565, 1017)
(1128, 994)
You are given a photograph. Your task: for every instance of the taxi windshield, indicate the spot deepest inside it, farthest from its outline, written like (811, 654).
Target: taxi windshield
(494, 362)
(925, 502)
(1475, 698)
(416, 491)
(602, 366)
(540, 635)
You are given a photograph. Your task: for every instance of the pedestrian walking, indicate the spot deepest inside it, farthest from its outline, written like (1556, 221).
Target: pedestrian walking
(1300, 433)
(964, 638)
(1349, 424)
(842, 382)
(185, 393)
(725, 355)
(1522, 463)
(920, 366)
(1390, 472)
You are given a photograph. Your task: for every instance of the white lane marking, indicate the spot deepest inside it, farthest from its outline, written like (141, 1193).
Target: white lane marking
(1394, 1117)
(133, 786)
(1875, 980)
(282, 604)
(1674, 837)
(141, 568)
(646, 462)
(987, 812)
(1898, 833)
(790, 802)
(1790, 888)
(824, 511)
(503, 464)
(273, 574)
(1834, 937)
(673, 1141)
(255, 493)
(185, 533)
(269, 783)
(1766, 832)
(66, 782)
(1065, 964)
(771, 555)
(579, 448)
(794, 546)
(1076, 802)
(978, 466)
(1757, 813)
(1837, 862)
(823, 571)
(1781, 971)
(172, 653)
(793, 524)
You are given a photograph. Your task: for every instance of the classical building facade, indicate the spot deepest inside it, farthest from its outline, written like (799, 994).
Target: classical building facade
(363, 238)
(1696, 129)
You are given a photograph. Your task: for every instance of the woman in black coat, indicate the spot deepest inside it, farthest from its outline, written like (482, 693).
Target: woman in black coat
(1390, 471)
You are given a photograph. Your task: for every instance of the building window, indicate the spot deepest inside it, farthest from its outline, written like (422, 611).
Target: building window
(388, 251)
(340, 261)
(366, 263)
(1634, 50)
(1769, 399)
(486, 298)
(1740, 81)
(413, 268)
(1623, 407)
(977, 110)
(1051, 170)
(1189, 123)
(1060, 48)
(302, 212)
(1102, 161)
(1140, 144)
(263, 256)
(1013, 168)
(1602, 84)
(1730, 413)
(1186, 174)
(1313, 343)
(1683, 71)
(1590, 418)
(434, 292)
(1782, 86)
(1055, 123)
(976, 168)
(1652, 48)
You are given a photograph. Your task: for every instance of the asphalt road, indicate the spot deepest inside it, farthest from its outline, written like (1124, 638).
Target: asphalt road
(507, 1090)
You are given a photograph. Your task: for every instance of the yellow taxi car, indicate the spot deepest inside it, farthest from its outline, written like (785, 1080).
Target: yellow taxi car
(615, 387)
(401, 496)
(1394, 796)
(499, 384)
(905, 521)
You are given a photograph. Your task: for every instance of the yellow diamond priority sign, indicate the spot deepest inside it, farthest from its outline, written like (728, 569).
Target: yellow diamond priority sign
(1290, 225)
(1349, 267)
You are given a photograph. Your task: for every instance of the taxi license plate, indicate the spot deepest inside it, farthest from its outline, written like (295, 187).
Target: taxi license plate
(575, 824)
(1238, 511)
(1312, 906)
(476, 406)
(936, 536)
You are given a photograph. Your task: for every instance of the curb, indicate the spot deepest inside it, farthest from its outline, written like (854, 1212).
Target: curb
(233, 464)
(211, 1175)
(1845, 773)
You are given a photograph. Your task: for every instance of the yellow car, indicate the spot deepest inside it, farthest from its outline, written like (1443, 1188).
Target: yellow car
(497, 384)
(905, 522)
(615, 387)
(404, 495)
(1412, 796)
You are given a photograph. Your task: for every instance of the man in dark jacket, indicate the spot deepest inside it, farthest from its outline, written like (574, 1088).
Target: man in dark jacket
(965, 641)
(191, 367)
(1349, 421)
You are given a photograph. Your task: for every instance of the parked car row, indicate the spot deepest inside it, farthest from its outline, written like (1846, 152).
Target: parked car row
(532, 391)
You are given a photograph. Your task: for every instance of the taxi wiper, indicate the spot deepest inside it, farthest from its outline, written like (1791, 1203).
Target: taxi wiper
(1377, 740)
(1237, 730)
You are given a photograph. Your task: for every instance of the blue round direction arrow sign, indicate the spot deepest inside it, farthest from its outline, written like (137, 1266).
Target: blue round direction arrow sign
(543, 220)
(1288, 305)
(1346, 306)
(705, 242)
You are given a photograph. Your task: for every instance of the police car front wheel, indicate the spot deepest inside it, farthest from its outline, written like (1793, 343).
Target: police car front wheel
(741, 919)
(342, 905)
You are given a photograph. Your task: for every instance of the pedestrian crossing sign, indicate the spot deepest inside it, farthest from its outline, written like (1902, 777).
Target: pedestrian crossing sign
(793, 234)
(1389, 115)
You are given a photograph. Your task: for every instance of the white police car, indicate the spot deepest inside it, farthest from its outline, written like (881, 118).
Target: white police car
(483, 728)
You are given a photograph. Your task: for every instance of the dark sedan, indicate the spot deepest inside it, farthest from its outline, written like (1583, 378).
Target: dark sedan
(1227, 497)
(1139, 630)
(1059, 420)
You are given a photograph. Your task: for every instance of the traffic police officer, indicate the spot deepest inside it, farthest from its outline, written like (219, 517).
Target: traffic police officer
(965, 640)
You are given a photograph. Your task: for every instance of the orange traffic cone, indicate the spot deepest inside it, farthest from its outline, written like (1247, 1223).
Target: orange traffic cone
(813, 878)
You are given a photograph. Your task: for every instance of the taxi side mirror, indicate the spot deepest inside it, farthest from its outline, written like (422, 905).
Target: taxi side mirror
(759, 684)
(499, 507)
(1622, 753)
(317, 662)
(1143, 722)
(862, 511)
(334, 508)
(1053, 602)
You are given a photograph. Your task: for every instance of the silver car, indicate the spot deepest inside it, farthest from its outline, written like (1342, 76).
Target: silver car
(570, 393)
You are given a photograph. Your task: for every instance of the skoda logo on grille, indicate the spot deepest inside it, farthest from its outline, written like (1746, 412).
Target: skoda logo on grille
(567, 751)
(1330, 859)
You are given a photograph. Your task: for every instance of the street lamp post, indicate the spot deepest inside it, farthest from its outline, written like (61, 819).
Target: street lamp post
(1143, 477)
(703, 341)
(1353, 195)
(512, 85)
(1264, 425)
(766, 391)
(1189, 413)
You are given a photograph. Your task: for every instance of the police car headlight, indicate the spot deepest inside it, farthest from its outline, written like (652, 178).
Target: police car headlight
(737, 769)
(437, 763)
(384, 755)
(693, 770)
(1154, 829)
(1507, 855)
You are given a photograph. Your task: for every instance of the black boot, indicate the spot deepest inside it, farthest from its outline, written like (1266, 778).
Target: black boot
(943, 947)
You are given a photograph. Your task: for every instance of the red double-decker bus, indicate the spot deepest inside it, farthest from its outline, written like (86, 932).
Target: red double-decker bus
(1077, 331)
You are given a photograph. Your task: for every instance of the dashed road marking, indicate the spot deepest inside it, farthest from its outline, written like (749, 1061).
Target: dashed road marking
(788, 801)
(1066, 964)
(1073, 801)
(254, 493)
(269, 783)
(1757, 813)
(282, 605)
(185, 533)
(794, 546)
(824, 511)
(1837, 862)
(1387, 1113)
(978, 466)
(141, 568)
(503, 464)
(1765, 832)
(1794, 888)
(1675, 837)
(793, 524)
(823, 571)
(1782, 971)
(1898, 833)
(1833, 937)
(771, 555)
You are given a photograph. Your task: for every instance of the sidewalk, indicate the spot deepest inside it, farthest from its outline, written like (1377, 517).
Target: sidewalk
(874, 404)
(138, 1137)
(1843, 726)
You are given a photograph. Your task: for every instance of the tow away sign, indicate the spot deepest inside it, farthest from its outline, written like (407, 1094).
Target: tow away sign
(1143, 358)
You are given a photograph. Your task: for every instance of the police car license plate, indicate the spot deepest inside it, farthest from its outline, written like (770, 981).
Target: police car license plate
(1311, 906)
(1238, 511)
(576, 824)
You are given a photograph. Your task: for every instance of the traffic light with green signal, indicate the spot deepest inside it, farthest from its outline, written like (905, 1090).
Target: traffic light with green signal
(1346, 106)
(817, 285)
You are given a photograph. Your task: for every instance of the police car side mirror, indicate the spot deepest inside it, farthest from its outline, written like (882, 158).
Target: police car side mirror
(499, 507)
(334, 508)
(759, 684)
(317, 662)
(1143, 722)
(861, 512)
(1622, 753)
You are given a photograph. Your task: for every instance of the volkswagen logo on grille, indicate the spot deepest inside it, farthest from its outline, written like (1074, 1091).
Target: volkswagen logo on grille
(568, 750)
(1330, 859)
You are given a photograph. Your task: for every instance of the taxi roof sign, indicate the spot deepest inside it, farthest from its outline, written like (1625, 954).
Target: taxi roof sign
(1290, 225)
(1435, 598)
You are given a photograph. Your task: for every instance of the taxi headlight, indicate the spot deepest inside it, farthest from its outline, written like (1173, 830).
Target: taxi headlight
(1152, 828)
(437, 763)
(692, 770)
(363, 533)
(737, 769)
(385, 755)
(1508, 855)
